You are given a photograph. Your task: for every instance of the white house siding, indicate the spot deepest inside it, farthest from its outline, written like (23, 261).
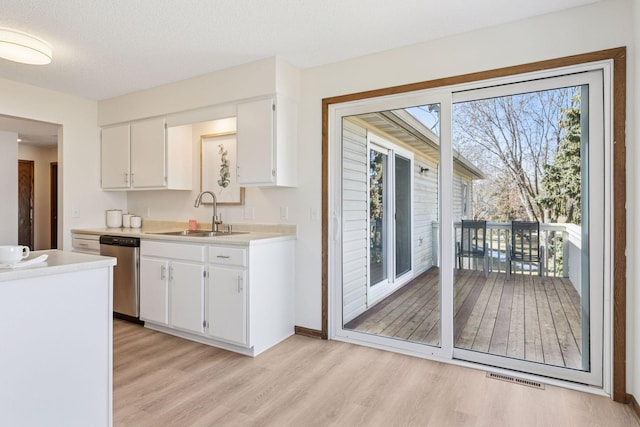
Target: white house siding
(425, 212)
(355, 220)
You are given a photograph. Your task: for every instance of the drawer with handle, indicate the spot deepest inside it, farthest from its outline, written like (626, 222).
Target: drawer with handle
(87, 245)
(228, 256)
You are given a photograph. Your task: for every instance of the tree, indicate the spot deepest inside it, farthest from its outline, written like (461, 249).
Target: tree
(562, 180)
(512, 138)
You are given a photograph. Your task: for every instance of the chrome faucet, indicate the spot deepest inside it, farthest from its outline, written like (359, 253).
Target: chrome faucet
(215, 221)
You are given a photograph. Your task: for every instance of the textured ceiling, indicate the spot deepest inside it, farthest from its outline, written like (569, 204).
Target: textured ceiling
(108, 48)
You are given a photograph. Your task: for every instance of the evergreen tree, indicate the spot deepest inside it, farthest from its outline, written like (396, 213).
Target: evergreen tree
(561, 179)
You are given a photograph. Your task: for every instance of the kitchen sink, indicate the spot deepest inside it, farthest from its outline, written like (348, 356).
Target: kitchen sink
(200, 233)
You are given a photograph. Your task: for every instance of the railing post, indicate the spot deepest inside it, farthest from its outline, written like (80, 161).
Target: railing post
(565, 253)
(435, 233)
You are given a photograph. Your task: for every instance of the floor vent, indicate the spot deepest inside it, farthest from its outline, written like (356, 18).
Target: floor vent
(515, 380)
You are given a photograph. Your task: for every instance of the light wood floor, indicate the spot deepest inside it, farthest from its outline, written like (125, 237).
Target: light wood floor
(524, 317)
(161, 380)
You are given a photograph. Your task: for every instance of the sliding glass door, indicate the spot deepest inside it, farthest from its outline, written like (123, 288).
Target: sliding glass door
(472, 223)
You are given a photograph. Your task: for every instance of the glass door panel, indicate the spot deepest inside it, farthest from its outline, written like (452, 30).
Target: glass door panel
(522, 223)
(403, 215)
(378, 218)
(390, 199)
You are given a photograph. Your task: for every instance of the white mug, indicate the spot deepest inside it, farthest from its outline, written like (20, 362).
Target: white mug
(12, 254)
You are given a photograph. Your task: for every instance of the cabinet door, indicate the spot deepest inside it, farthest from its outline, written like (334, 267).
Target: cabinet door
(148, 154)
(187, 295)
(256, 133)
(227, 308)
(114, 159)
(154, 279)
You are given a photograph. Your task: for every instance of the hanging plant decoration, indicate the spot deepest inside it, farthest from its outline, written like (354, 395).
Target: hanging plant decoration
(225, 175)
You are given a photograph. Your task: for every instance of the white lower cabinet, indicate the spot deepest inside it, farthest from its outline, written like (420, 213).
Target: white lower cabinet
(235, 297)
(186, 303)
(228, 290)
(154, 290)
(172, 284)
(227, 305)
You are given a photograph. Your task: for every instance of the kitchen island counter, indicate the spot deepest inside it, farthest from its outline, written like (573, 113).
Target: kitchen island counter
(57, 262)
(56, 333)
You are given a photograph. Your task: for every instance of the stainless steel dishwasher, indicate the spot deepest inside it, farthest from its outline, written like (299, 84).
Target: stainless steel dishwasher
(126, 275)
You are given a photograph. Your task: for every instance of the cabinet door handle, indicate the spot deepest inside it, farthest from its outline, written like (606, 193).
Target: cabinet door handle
(131, 178)
(223, 256)
(163, 272)
(171, 273)
(239, 284)
(126, 178)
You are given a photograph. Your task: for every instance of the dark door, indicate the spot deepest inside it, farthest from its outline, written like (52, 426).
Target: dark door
(53, 177)
(25, 202)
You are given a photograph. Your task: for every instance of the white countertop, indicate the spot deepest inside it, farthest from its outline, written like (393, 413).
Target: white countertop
(243, 239)
(57, 262)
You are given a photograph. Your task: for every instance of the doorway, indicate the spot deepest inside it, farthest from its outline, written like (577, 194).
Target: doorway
(53, 217)
(26, 180)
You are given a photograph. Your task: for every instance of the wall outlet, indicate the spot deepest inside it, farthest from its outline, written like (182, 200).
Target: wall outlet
(75, 212)
(315, 214)
(284, 213)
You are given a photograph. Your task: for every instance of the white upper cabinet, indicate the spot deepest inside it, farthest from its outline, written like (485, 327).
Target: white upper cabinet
(266, 140)
(115, 159)
(146, 156)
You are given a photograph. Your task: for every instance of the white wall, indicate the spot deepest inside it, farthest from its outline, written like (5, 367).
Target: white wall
(78, 152)
(9, 188)
(42, 158)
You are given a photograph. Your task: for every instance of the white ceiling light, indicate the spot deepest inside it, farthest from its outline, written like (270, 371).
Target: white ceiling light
(22, 47)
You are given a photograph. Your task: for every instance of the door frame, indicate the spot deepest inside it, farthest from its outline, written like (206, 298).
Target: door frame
(32, 165)
(618, 58)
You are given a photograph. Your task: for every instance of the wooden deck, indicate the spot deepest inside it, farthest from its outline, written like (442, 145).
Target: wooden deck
(524, 317)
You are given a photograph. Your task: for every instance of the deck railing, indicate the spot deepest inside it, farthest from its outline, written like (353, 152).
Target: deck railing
(560, 243)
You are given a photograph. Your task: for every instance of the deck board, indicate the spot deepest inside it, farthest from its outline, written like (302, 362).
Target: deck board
(488, 322)
(500, 336)
(515, 345)
(466, 328)
(532, 334)
(524, 317)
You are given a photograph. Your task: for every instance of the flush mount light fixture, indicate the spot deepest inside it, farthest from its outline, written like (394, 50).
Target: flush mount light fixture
(24, 48)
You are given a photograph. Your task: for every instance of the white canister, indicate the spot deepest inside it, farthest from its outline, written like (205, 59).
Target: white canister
(136, 222)
(126, 220)
(114, 218)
